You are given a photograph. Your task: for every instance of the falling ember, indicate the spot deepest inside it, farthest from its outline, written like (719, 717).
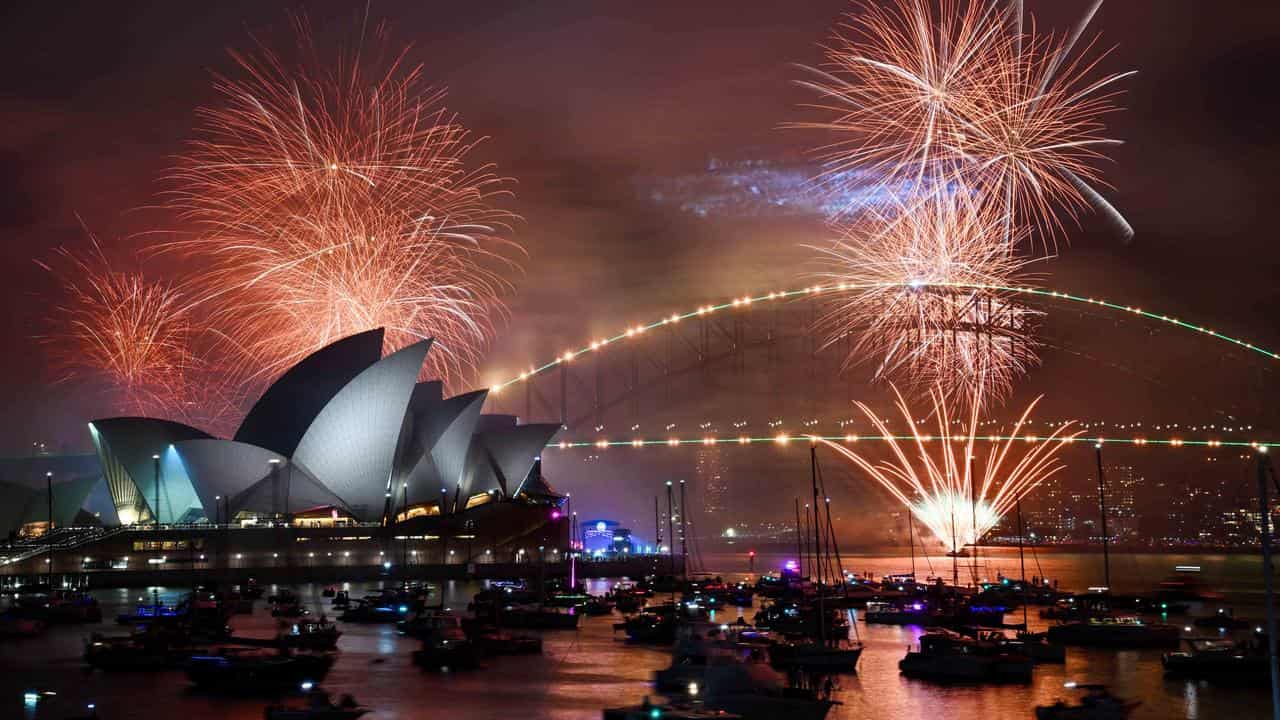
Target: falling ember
(334, 199)
(924, 300)
(961, 94)
(945, 479)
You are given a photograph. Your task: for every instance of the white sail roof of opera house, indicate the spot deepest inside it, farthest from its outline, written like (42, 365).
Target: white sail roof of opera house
(140, 486)
(503, 453)
(224, 468)
(281, 417)
(351, 446)
(21, 504)
(438, 437)
(376, 425)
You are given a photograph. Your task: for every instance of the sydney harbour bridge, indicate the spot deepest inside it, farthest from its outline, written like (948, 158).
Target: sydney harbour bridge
(759, 365)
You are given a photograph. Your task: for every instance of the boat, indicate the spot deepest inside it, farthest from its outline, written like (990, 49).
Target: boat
(816, 657)
(148, 613)
(426, 623)
(1222, 661)
(309, 635)
(626, 598)
(289, 610)
(889, 613)
(494, 643)
(364, 611)
(755, 691)
(656, 625)
(947, 656)
(803, 619)
(448, 648)
(536, 617)
(1116, 631)
(1097, 704)
(1034, 645)
(1038, 647)
(675, 711)
(250, 671)
(921, 613)
(318, 706)
(145, 651)
(702, 645)
(596, 606)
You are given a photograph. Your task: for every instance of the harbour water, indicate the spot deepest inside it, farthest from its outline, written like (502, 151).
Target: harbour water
(582, 671)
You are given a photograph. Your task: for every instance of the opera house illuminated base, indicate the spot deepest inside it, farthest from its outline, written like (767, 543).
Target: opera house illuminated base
(346, 444)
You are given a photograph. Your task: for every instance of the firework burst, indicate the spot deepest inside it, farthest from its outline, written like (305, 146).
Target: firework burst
(924, 301)
(333, 199)
(961, 93)
(132, 332)
(946, 482)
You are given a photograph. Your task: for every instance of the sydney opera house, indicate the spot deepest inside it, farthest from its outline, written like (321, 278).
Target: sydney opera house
(347, 441)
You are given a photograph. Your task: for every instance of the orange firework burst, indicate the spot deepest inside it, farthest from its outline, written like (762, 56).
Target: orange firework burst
(924, 299)
(120, 326)
(961, 94)
(943, 479)
(334, 200)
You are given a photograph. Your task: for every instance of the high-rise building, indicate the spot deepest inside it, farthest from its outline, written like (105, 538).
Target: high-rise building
(709, 474)
(1123, 485)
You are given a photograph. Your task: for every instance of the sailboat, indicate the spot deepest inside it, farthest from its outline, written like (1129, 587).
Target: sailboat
(1034, 645)
(1101, 627)
(829, 652)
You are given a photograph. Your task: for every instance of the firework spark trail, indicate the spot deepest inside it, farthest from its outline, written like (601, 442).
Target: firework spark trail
(941, 479)
(910, 317)
(133, 332)
(912, 94)
(331, 199)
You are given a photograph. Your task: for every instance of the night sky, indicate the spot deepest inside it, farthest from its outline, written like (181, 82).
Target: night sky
(590, 105)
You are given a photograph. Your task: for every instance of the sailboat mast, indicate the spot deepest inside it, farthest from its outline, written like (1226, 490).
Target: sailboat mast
(1022, 563)
(671, 533)
(911, 539)
(955, 549)
(1264, 511)
(657, 527)
(799, 543)
(1102, 510)
(973, 511)
(684, 534)
(817, 542)
(838, 570)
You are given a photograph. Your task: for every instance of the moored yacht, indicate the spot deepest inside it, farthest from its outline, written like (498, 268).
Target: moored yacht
(1117, 631)
(950, 657)
(1222, 661)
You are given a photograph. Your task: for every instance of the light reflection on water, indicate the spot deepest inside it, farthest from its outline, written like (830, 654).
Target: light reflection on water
(581, 672)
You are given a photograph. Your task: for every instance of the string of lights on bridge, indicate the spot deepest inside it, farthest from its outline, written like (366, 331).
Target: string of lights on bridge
(745, 301)
(813, 290)
(786, 438)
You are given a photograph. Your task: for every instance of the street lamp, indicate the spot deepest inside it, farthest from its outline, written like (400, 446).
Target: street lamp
(155, 461)
(48, 489)
(444, 533)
